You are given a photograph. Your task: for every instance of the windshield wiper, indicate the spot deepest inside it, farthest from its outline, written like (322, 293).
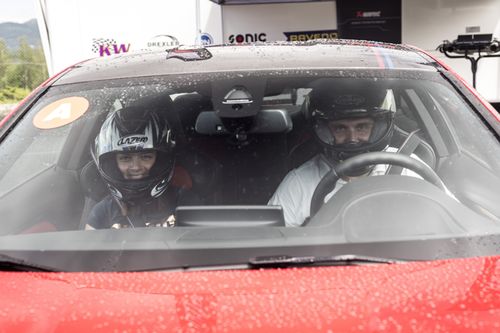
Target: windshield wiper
(11, 264)
(340, 260)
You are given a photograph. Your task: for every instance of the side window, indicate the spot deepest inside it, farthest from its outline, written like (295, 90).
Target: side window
(470, 132)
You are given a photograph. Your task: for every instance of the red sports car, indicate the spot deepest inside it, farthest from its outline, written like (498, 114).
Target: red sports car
(326, 186)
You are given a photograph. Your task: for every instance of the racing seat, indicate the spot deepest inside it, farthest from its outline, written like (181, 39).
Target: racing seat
(302, 144)
(412, 143)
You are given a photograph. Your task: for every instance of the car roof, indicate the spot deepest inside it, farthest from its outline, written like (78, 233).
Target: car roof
(313, 55)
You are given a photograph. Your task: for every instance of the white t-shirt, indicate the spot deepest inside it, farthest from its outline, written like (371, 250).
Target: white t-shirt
(295, 192)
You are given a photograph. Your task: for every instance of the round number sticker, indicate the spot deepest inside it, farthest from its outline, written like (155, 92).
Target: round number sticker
(61, 112)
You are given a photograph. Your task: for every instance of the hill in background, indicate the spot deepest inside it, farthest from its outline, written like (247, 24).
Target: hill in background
(10, 32)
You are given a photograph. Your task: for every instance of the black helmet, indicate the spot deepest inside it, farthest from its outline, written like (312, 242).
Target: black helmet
(135, 129)
(340, 99)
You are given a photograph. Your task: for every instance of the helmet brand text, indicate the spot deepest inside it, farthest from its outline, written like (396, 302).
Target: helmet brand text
(132, 140)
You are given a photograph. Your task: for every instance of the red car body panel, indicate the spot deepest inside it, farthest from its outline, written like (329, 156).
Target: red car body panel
(454, 295)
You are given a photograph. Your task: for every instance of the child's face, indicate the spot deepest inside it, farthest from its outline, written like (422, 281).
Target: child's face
(135, 165)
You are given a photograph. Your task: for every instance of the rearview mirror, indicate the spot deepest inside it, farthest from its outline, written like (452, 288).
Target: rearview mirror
(265, 121)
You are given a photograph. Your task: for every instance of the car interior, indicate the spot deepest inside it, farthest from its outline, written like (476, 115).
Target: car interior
(236, 141)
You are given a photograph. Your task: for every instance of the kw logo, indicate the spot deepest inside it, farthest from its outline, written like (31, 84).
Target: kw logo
(108, 47)
(107, 50)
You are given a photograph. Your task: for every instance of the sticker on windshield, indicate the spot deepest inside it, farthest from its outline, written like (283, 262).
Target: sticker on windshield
(61, 112)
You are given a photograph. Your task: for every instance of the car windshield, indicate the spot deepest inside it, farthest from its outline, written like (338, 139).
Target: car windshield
(217, 168)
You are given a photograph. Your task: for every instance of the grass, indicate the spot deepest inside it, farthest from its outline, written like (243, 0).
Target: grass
(12, 95)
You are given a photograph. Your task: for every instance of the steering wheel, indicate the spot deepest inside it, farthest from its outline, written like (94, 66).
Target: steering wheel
(328, 182)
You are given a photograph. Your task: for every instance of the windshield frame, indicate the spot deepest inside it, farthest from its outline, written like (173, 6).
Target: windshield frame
(123, 252)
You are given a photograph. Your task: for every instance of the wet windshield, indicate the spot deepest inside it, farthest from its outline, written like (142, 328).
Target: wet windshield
(240, 161)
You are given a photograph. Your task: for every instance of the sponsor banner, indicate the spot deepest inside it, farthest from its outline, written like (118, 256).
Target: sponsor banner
(302, 36)
(378, 20)
(162, 42)
(248, 37)
(268, 22)
(108, 46)
(70, 35)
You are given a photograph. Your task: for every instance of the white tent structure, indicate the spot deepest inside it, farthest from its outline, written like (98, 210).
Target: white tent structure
(74, 30)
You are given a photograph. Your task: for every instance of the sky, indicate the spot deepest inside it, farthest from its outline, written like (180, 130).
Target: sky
(18, 11)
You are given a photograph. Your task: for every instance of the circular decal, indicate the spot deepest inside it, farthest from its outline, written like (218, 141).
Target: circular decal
(61, 112)
(206, 39)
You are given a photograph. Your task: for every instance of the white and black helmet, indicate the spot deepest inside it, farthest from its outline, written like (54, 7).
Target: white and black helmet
(135, 129)
(349, 99)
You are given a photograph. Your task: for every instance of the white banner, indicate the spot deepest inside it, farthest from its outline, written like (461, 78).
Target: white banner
(75, 30)
(279, 22)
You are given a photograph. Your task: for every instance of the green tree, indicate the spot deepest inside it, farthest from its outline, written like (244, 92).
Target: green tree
(4, 63)
(41, 68)
(30, 69)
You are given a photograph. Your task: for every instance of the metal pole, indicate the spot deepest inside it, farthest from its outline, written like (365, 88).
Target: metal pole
(473, 67)
(198, 23)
